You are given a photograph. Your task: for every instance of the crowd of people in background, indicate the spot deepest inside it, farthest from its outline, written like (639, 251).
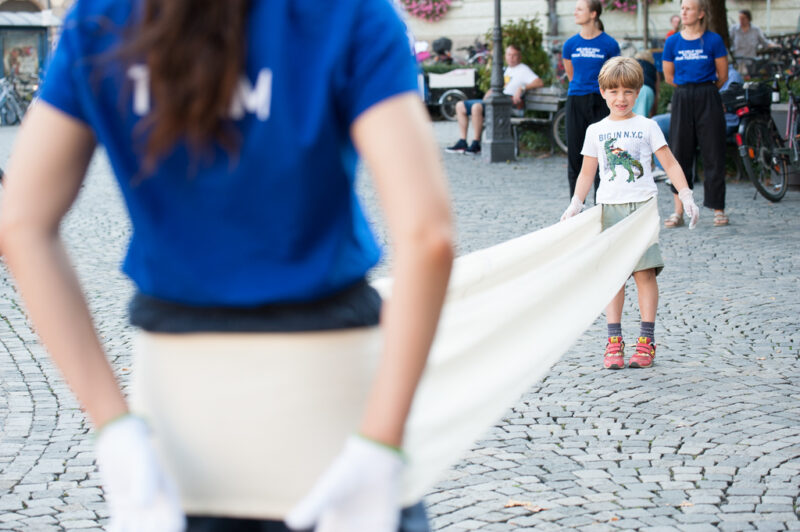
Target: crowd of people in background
(694, 61)
(309, 278)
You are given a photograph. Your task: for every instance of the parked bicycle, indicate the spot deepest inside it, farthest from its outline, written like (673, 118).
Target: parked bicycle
(766, 154)
(11, 108)
(477, 53)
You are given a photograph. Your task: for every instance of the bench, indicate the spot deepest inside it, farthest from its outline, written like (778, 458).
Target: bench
(545, 102)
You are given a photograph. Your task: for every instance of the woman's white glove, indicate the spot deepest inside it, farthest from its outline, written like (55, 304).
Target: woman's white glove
(575, 207)
(140, 496)
(360, 492)
(689, 206)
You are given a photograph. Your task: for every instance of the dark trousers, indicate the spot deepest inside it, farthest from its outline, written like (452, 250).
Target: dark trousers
(412, 519)
(582, 111)
(699, 120)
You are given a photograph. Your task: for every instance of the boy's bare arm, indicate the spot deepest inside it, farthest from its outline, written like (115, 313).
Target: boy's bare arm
(586, 177)
(678, 179)
(672, 168)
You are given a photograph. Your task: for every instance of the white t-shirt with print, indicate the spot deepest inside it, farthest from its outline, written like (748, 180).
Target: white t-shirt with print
(517, 76)
(624, 151)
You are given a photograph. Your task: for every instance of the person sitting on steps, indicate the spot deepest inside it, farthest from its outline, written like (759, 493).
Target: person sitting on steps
(518, 78)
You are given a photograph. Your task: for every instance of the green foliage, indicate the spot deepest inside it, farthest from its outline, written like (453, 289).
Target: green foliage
(793, 84)
(526, 34)
(535, 141)
(664, 97)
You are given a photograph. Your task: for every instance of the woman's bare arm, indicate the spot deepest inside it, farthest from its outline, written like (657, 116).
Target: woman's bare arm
(669, 72)
(396, 141)
(43, 177)
(568, 68)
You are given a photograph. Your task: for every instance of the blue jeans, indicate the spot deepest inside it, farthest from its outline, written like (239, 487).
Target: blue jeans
(731, 125)
(663, 124)
(412, 519)
(469, 103)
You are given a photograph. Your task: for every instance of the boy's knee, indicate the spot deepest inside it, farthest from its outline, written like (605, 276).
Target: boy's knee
(645, 275)
(461, 108)
(477, 109)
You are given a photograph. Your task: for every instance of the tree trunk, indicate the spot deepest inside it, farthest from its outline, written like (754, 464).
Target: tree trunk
(719, 21)
(552, 18)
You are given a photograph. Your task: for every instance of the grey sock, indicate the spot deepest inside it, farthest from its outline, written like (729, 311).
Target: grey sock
(614, 329)
(648, 329)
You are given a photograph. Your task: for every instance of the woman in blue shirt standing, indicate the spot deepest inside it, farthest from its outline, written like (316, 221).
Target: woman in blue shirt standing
(583, 55)
(695, 61)
(269, 390)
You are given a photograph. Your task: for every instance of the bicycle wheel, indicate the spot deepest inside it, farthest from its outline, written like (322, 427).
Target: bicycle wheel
(559, 129)
(8, 115)
(448, 101)
(766, 168)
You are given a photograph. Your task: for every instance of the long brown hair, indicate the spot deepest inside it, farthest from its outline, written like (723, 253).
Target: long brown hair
(195, 52)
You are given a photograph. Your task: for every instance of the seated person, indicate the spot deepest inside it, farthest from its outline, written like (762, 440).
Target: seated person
(644, 102)
(518, 78)
(648, 94)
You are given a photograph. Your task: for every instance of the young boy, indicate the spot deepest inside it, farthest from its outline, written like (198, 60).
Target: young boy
(623, 144)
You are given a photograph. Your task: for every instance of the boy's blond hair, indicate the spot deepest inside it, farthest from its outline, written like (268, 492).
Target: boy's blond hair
(621, 72)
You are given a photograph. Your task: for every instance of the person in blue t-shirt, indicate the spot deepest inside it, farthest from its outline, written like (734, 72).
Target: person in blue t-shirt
(696, 62)
(269, 390)
(731, 120)
(583, 55)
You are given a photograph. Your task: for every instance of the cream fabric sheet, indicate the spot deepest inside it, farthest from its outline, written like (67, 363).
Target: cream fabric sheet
(246, 423)
(512, 310)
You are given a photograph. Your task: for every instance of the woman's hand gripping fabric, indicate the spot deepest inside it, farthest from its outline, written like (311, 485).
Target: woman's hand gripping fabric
(140, 496)
(358, 493)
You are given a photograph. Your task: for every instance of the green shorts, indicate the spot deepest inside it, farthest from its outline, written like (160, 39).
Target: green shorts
(615, 212)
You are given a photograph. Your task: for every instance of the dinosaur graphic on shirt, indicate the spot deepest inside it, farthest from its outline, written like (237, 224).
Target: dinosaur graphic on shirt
(618, 156)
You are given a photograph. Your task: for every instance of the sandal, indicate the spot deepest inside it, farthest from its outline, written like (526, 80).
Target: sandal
(674, 220)
(720, 219)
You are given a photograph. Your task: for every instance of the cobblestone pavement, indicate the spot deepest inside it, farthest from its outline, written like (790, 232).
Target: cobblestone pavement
(708, 439)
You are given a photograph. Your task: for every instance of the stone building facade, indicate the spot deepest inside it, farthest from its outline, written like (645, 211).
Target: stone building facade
(27, 32)
(468, 19)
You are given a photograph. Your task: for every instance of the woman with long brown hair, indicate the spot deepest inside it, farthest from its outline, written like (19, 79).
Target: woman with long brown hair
(264, 388)
(583, 55)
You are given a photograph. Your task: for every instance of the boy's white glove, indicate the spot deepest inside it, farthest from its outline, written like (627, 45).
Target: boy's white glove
(140, 496)
(689, 206)
(360, 492)
(575, 207)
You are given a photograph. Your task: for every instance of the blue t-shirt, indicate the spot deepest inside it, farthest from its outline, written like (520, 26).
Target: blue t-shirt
(694, 60)
(588, 56)
(278, 221)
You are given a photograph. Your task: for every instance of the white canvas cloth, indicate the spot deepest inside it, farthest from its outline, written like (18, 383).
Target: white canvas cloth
(247, 422)
(512, 311)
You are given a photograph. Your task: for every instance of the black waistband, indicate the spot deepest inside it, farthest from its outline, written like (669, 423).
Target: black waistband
(694, 85)
(358, 305)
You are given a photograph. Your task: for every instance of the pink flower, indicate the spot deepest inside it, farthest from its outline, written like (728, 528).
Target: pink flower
(432, 10)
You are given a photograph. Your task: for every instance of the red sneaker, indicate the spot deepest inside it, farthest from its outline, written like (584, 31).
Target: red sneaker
(614, 358)
(645, 353)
